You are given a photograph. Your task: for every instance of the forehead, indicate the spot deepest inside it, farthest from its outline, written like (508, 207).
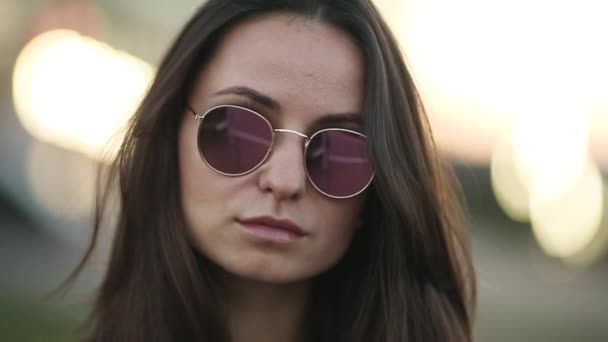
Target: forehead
(303, 64)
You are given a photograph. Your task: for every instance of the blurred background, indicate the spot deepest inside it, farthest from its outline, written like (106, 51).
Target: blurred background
(516, 92)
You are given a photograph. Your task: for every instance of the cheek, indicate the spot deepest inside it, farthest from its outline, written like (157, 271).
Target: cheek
(200, 188)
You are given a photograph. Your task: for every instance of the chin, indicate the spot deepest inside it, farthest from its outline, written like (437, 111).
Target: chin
(276, 272)
(272, 276)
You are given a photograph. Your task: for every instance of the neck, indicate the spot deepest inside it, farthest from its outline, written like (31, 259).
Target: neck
(265, 312)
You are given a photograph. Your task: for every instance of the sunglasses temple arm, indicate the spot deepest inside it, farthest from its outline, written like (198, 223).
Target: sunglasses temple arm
(191, 110)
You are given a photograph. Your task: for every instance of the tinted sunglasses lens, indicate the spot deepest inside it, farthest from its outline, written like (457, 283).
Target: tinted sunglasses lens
(337, 163)
(233, 140)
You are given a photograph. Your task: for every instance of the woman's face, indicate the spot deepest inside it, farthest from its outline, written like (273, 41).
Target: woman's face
(309, 70)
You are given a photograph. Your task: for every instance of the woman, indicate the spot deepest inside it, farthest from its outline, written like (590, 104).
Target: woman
(279, 183)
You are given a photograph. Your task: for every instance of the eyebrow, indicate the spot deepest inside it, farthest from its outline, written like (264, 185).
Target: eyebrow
(253, 95)
(267, 101)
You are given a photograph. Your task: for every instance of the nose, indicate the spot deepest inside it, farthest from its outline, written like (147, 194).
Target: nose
(283, 174)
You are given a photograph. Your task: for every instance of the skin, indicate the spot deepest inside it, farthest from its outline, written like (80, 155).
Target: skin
(309, 69)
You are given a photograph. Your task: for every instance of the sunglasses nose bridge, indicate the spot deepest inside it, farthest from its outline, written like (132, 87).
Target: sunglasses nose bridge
(289, 131)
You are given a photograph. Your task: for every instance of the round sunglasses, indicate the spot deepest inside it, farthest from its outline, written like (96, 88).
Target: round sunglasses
(234, 141)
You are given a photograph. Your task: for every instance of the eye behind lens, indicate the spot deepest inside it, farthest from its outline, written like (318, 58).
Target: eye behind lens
(234, 140)
(337, 162)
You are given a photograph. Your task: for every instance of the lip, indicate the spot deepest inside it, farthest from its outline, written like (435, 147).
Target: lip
(273, 229)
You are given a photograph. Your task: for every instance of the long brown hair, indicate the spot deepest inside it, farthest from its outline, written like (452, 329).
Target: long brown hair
(407, 275)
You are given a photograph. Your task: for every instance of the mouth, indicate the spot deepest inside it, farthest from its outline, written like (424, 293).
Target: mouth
(272, 229)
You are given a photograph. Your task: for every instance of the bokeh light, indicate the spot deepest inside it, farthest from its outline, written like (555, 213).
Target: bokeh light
(76, 92)
(511, 82)
(477, 61)
(550, 139)
(566, 225)
(509, 187)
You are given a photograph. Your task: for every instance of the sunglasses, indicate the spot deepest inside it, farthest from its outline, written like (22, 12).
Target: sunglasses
(235, 141)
